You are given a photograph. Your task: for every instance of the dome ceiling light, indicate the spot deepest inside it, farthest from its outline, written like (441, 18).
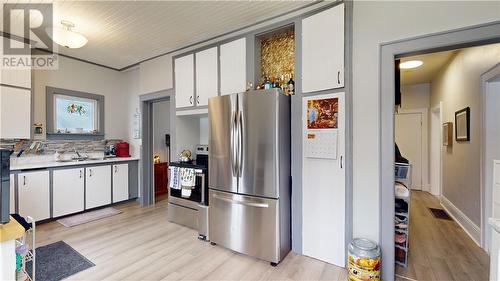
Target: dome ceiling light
(66, 37)
(410, 64)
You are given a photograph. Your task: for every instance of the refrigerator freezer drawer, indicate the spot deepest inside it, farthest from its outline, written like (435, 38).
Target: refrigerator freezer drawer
(245, 224)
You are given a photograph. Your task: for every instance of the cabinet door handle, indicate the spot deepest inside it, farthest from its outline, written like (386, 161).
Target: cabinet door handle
(116, 169)
(191, 99)
(198, 100)
(90, 173)
(80, 173)
(24, 180)
(338, 77)
(341, 162)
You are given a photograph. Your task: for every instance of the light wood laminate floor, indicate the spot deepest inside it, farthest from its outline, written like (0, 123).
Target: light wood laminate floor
(440, 249)
(140, 244)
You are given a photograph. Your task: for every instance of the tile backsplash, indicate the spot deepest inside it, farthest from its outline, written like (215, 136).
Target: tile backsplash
(51, 146)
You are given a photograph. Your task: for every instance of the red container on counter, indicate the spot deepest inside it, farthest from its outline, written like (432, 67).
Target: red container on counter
(122, 149)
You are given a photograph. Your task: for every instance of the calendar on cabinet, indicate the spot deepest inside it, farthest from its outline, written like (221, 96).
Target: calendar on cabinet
(321, 144)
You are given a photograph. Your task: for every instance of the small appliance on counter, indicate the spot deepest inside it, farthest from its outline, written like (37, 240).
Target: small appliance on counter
(185, 156)
(122, 149)
(110, 151)
(4, 186)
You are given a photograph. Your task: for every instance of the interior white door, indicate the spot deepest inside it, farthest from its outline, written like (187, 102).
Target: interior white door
(15, 113)
(120, 182)
(68, 191)
(207, 84)
(233, 57)
(323, 185)
(98, 186)
(408, 131)
(34, 195)
(323, 50)
(184, 81)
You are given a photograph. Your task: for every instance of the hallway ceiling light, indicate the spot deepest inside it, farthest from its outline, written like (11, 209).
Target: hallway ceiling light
(66, 37)
(410, 64)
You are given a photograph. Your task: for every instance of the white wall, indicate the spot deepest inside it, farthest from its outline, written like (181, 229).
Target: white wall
(204, 130)
(156, 75)
(187, 133)
(376, 22)
(161, 126)
(85, 77)
(416, 96)
(457, 86)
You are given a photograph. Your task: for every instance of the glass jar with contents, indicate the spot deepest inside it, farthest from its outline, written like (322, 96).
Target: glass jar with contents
(364, 260)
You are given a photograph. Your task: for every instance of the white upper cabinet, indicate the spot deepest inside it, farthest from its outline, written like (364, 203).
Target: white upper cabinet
(15, 113)
(184, 81)
(15, 76)
(206, 75)
(233, 67)
(323, 50)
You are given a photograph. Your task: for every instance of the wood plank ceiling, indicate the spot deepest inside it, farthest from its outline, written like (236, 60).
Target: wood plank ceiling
(122, 33)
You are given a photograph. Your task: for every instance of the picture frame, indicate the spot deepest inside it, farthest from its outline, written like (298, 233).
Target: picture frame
(462, 124)
(447, 134)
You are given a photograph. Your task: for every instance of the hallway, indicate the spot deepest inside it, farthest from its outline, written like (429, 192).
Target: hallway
(439, 248)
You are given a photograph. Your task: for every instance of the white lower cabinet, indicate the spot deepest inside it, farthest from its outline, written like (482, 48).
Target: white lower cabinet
(98, 186)
(120, 182)
(34, 194)
(68, 189)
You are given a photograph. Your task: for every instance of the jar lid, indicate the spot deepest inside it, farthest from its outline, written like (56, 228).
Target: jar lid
(364, 244)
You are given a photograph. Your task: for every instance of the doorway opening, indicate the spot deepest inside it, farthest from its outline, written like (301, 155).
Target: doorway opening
(444, 41)
(157, 122)
(442, 130)
(161, 147)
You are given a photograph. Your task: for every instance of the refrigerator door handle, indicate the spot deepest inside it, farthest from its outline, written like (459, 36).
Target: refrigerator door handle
(240, 143)
(233, 150)
(250, 204)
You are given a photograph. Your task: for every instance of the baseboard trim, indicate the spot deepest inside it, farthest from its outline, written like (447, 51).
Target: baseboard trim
(467, 224)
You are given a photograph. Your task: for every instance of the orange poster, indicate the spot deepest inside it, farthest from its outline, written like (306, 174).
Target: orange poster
(323, 113)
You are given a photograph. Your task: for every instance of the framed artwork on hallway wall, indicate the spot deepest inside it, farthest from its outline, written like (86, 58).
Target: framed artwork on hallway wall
(462, 125)
(447, 134)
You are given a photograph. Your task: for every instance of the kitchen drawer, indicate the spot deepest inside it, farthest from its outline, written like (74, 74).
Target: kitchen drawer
(245, 224)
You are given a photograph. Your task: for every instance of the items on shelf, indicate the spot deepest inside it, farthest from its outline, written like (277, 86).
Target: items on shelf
(284, 82)
(402, 202)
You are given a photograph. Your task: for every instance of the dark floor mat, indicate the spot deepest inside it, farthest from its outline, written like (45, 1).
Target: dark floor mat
(57, 261)
(440, 214)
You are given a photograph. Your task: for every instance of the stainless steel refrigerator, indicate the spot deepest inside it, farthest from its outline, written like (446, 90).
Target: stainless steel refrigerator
(249, 177)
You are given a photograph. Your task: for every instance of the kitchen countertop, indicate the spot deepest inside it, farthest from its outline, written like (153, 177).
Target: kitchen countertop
(11, 230)
(54, 164)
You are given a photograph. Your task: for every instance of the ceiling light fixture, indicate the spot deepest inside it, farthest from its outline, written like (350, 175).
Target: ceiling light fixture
(410, 64)
(66, 37)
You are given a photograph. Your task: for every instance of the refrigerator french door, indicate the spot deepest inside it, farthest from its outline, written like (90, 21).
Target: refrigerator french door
(249, 180)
